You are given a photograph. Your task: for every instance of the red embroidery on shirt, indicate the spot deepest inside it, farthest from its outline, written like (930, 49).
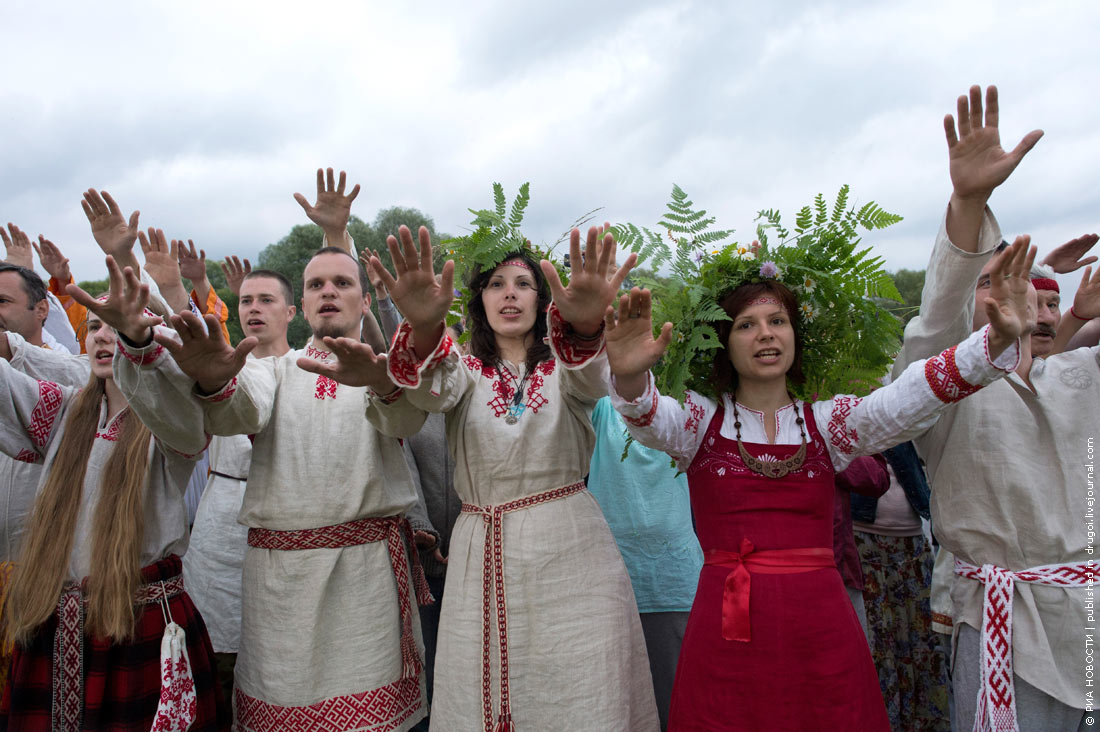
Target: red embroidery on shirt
(646, 419)
(505, 388)
(404, 367)
(695, 415)
(44, 412)
(28, 456)
(571, 351)
(943, 377)
(141, 359)
(113, 429)
(189, 456)
(325, 387)
(843, 437)
(224, 393)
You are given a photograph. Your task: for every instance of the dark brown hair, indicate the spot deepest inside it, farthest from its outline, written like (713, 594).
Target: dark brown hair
(722, 372)
(483, 343)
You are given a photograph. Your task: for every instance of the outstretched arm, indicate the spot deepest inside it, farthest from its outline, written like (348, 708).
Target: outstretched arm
(1070, 257)
(978, 163)
(1085, 308)
(631, 348)
(112, 232)
(332, 209)
(593, 281)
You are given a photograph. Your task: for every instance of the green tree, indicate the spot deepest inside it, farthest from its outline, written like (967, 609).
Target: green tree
(910, 284)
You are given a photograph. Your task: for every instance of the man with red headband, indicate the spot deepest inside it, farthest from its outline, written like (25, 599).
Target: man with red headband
(1009, 493)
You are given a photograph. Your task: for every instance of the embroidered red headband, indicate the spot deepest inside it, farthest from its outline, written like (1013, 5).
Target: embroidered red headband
(1045, 283)
(517, 262)
(765, 300)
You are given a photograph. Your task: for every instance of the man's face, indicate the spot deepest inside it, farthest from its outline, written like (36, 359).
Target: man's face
(263, 309)
(332, 300)
(16, 314)
(1047, 319)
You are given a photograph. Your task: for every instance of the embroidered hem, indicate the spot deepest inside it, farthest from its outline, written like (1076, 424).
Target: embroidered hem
(376, 710)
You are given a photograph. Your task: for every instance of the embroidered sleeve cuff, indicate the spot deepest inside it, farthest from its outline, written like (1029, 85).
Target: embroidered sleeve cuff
(573, 352)
(390, 398)
(139, 355)
(962, 370)
(404, 367)
(638, 412)
(221, 394)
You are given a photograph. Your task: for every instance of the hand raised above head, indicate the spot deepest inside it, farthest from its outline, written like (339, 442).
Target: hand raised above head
(124, 307)
(18, 247)
(192, 261)
(355, 364)
(234, 272)
(978, 163)
(628, 333)
(332, 209)
(1086, 303)
(202, 351)
(594, 280)
(112, 232)
(53, 261)
(161, 258)
(421, 297)
(1070, 257)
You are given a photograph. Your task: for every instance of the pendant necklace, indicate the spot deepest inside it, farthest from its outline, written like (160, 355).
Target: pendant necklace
(517, 409)
(771, 468)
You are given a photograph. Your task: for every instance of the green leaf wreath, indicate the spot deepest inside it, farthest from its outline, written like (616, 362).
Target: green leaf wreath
(848, 339)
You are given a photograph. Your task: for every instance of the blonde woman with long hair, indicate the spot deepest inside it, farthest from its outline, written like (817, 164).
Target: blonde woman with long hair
(98, 581)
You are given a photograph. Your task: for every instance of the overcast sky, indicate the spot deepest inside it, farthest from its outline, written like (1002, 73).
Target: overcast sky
(208, 116)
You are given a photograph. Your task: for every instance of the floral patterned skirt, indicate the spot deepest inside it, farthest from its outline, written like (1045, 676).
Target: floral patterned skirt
(897, 577)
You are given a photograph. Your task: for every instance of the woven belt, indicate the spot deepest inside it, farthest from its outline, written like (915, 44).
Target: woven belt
(738, 585)
(395, 531)
(68, 647)
(492, 578)
(996, 709)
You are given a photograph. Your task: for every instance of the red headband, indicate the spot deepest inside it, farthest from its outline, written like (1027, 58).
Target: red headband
(517, 262)
(1045, 283)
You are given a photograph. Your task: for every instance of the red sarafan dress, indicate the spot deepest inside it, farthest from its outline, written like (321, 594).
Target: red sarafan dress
(807, 666)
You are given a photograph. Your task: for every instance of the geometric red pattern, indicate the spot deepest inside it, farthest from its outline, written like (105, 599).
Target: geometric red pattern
(646, 419)
(377, 710)
(68, 660)
(28, 456)
(842, 437)
(505, 387)
(221, 394)
(943, 377)
(44, 412)
(143, 359)
(572, 351)
(324, 385)
(695, 414)
(492, 594)
(404, 367)
(996, 708)
(113, 431)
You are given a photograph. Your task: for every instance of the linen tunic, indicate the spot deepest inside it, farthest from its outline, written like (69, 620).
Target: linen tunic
(1008, 476)
(577, 657)
(321, 629)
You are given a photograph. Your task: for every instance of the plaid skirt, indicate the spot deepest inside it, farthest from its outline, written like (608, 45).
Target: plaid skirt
(121, 680)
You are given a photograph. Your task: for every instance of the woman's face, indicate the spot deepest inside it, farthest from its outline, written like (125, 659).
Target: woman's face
(511, 301)
(100, 344)
(761, 342)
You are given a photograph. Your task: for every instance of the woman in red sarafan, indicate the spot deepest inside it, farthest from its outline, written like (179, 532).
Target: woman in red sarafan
(773, 642)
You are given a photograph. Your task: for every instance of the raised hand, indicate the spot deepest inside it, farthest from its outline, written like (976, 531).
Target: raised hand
(124, 307)
(376, 282)
(53, 261)
(631, 347)
(332, 209)
(593, 280)
(161, 258)
(202, 351)
(234, 272)
(192, 261)
(1006, 304)
(1086, 303)
(18, 247)
(421, 298)
(1069, 257)
(356, 364)
(978, 163)
(112, 232)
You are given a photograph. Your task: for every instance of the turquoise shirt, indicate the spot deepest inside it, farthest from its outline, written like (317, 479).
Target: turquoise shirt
(647, 506)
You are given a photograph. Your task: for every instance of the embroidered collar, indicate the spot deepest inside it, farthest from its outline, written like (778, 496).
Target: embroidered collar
(312, 352)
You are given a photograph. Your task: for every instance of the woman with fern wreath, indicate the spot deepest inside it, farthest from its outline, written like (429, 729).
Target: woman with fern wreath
(773, 642)
(540, 629)
(97, 598)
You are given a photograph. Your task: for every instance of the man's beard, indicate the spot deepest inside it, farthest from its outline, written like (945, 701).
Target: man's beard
(329, 330)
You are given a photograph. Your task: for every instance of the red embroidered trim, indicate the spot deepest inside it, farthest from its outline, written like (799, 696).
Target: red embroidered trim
(29, 456)
(379, 710)
(113, 429)
(492, 584)
(222, 394)
(390, 398)
(505, 388)
(44, 413)
(404, 367)
(944, 620)
(571, 351)
(695, 414)
(397, 533)
(841, 436)
(943, 377)
(184, 454)
(68, 654)
(325, 387)
(646, 419)
(141, 359)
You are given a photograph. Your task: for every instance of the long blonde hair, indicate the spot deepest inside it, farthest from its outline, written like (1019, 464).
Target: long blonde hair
(117, 526)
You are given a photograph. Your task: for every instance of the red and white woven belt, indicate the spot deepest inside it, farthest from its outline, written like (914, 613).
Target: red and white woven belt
(68, 647)
(492, 584)
(996, 709)
(395, 531)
